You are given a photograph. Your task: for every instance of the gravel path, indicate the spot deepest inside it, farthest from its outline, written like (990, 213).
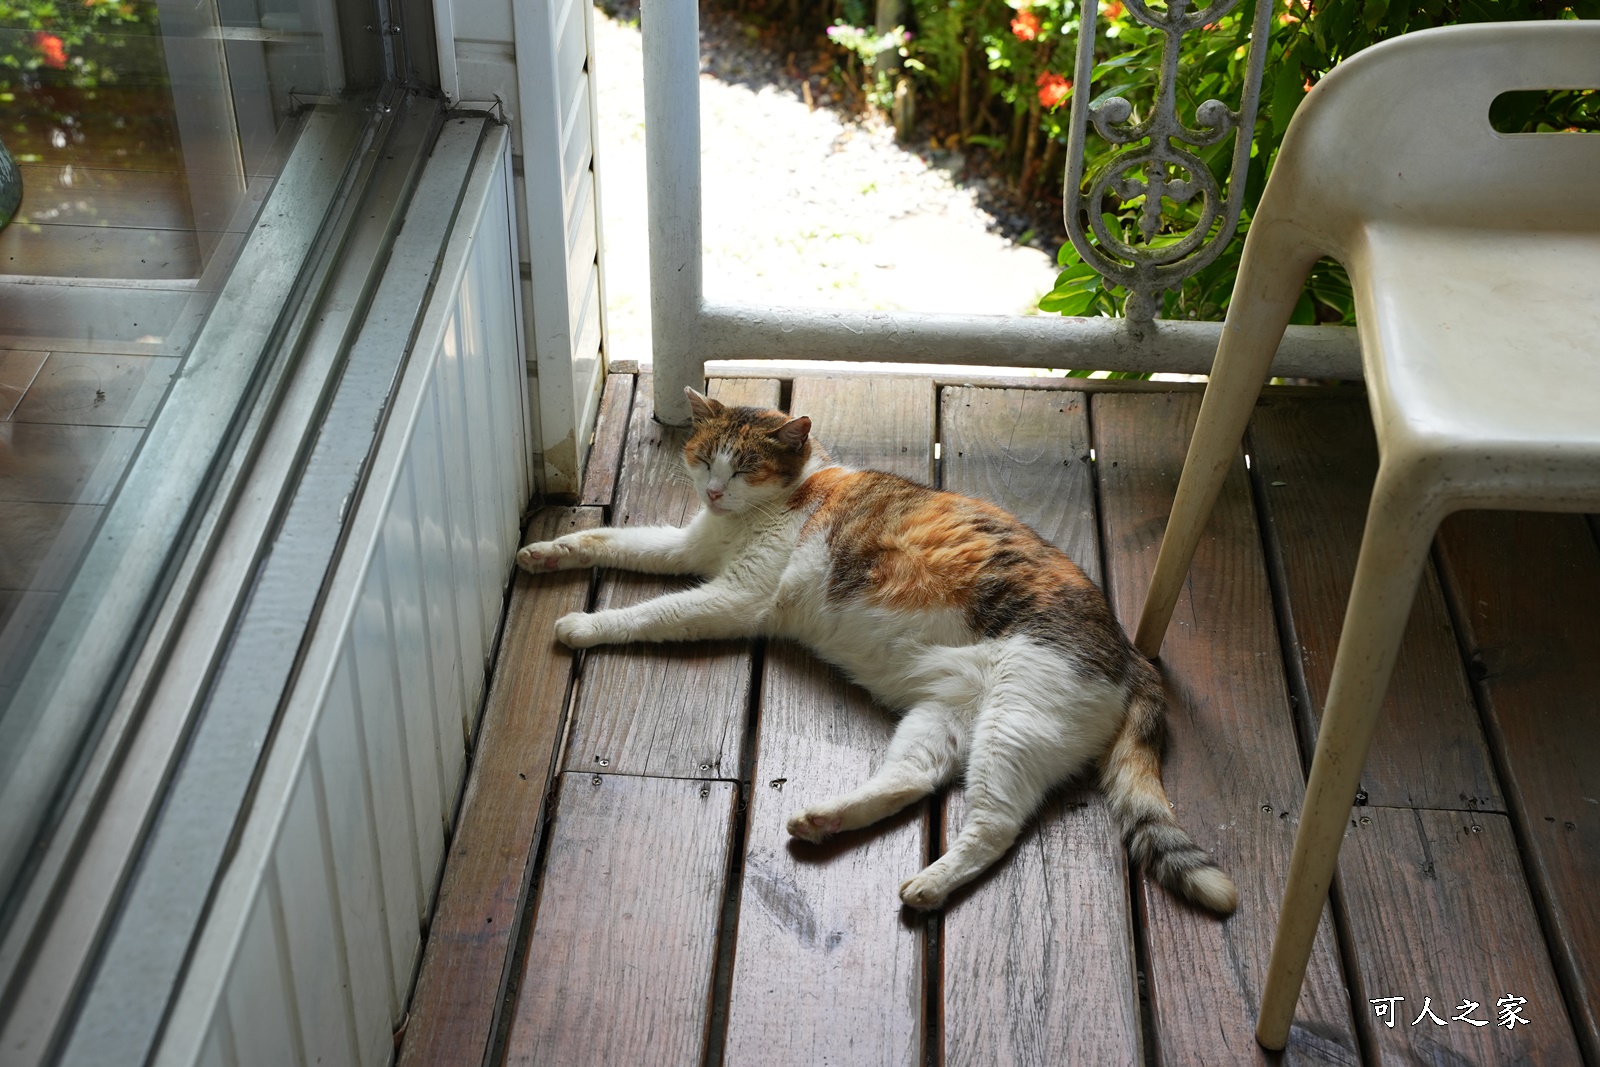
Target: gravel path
(801, 206)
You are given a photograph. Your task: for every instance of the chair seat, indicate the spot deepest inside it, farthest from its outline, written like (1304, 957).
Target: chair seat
(1482, 343)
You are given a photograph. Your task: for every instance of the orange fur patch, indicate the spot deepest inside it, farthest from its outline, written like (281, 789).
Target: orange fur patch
(923, 548)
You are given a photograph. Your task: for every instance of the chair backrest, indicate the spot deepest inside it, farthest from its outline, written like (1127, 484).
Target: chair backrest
(1400, 132)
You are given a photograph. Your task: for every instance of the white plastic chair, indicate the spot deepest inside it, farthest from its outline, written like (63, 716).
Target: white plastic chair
(1475, 261)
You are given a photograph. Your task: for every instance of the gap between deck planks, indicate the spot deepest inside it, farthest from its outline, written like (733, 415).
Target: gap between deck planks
(692, 719)
(483, 893)
(1038, 962)
(1233, 768)
(1525, 590)
(1433, 900)
(624, 935)
(624, 927)
(828, 968)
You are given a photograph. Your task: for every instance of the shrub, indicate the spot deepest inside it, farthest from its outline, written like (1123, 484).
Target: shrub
(1000, 73)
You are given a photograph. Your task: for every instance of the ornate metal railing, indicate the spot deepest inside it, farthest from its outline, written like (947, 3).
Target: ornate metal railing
(1146, 269)
(688, 331)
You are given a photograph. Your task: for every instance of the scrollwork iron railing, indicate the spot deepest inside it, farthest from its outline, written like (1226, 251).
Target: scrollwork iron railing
(1147, 269)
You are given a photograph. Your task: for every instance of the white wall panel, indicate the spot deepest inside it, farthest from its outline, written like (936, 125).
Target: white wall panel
(483, 20)
(572, 49)
(413, 715)
(554, 55)
(326, 940)
(577, 148)
(218, 1049)
(260, 1011)
(456, 467)
(303, 874)
(436, 560)
(341, 765)
(536, 60)
(383, 736)
(412, 640)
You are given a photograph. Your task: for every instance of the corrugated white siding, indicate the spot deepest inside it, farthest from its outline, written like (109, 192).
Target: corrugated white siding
(535, 60)
(366, 769)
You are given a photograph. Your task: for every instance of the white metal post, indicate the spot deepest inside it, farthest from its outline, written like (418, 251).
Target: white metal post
(672, 167)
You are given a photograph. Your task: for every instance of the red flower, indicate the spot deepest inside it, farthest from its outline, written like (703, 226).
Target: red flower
(1053, 89)
(1025, 25)
(1113, 9)
(50, 46)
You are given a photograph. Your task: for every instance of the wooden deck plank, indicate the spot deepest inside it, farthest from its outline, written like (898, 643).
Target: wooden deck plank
(485, 885)
(1038, 955)
(829, 968)
(610, 435)
(1316, 462)
(1437, 908)
(685, 707)
(1233, 769)
(1526, 591)
(625, 932)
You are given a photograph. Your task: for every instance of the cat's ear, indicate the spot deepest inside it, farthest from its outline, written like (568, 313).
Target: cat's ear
(701, 406)
(793, 434)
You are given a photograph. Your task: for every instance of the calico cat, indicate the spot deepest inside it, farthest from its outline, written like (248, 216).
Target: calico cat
(1004, 659)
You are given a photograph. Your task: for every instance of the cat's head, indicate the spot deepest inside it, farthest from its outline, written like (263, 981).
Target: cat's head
(740, 458)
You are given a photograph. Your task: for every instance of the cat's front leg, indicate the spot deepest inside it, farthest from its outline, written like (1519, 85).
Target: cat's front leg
(710, 611)
(650, 549)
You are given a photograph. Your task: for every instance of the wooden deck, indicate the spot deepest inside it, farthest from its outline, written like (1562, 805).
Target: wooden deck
(620, 889)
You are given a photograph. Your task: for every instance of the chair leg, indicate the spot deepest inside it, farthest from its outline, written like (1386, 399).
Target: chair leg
(1394, 549)
(1271, 274)
(1229, 399)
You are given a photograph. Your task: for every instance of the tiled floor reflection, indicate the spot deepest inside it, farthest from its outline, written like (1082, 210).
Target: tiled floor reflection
(101, 290)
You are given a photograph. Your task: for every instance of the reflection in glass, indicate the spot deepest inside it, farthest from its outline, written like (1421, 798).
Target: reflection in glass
(146, 136)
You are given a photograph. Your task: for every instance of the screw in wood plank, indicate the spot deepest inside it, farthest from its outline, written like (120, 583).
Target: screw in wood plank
(595, 780)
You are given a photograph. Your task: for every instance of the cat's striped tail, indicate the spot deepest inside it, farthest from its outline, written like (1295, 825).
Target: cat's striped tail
(1130, 774)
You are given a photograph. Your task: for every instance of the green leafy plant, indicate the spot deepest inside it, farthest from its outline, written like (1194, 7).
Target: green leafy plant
(1309, 37)
(70, 43)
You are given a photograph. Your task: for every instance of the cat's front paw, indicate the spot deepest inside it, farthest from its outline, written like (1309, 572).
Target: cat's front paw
(542, 556)
(924, 891)
(813, 826)
(580, 630)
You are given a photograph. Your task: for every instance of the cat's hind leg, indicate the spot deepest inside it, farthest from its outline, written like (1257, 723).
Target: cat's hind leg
(1026, 740)
(994, 819)
(924, 755)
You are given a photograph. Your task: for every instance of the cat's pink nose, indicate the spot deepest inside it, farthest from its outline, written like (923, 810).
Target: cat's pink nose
(713, 495)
